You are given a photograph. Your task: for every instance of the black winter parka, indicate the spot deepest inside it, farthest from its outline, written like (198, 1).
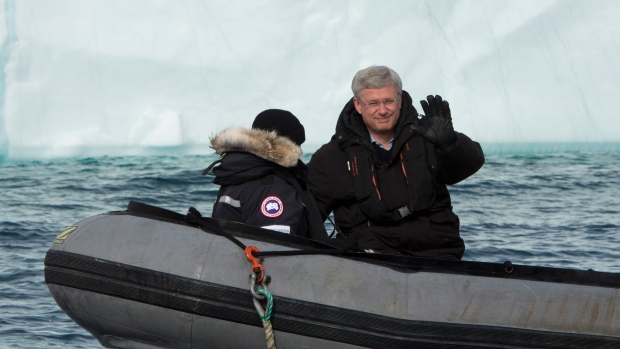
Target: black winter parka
(416, 176)
(253, 175)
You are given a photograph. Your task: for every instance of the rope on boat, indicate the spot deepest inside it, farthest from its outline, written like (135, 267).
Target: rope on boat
(264, 314)
(258, 277)
(194, 217)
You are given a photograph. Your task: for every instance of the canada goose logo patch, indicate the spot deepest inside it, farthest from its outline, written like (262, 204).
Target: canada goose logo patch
(272, 207)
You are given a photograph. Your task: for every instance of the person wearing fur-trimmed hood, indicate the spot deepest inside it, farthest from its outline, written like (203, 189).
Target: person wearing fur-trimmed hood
(263, 180)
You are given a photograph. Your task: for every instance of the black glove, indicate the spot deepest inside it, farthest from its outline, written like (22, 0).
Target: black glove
(436, 126)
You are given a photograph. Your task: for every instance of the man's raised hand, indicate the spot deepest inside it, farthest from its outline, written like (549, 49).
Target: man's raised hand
(436, 125)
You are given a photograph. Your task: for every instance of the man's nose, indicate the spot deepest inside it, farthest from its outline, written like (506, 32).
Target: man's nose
(382, 108)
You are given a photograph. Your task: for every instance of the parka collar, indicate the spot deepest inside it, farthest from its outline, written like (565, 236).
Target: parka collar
(267, 145)
(351, 130)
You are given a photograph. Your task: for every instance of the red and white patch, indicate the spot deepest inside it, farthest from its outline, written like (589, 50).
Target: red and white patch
(272, 207)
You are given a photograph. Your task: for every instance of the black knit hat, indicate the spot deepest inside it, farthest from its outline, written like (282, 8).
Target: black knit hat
(283, 122)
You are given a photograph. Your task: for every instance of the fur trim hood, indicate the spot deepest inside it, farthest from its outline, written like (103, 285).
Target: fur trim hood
(267, 145)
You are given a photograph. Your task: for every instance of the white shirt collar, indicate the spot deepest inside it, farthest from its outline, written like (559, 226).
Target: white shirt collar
(374, 141)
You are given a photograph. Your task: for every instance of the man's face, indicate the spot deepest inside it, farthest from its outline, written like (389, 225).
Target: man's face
(380, 109)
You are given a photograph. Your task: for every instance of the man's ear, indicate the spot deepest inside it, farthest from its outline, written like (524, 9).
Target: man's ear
(357, 105)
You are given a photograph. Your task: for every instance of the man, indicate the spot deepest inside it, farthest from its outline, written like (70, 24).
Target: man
(384, 173)
(263, 180)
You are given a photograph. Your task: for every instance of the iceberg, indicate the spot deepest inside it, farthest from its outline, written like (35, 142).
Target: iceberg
(84, 77)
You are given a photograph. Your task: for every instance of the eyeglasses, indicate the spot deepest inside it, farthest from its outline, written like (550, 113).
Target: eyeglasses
(390, 103)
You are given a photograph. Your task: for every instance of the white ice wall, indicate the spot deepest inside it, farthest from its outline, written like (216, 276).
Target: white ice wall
(107, 77)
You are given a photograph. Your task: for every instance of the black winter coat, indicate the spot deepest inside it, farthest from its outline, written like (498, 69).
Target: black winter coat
(432, 230)
(251, 192)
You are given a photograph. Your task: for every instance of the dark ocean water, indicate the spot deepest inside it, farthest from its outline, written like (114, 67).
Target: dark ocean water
(532, 206)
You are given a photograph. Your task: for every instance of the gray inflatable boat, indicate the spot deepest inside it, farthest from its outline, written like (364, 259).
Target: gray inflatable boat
(151, 278)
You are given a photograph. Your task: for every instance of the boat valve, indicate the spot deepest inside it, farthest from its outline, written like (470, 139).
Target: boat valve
(508, 268)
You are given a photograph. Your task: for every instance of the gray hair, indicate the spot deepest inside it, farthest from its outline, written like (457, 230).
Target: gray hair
(376, 76)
